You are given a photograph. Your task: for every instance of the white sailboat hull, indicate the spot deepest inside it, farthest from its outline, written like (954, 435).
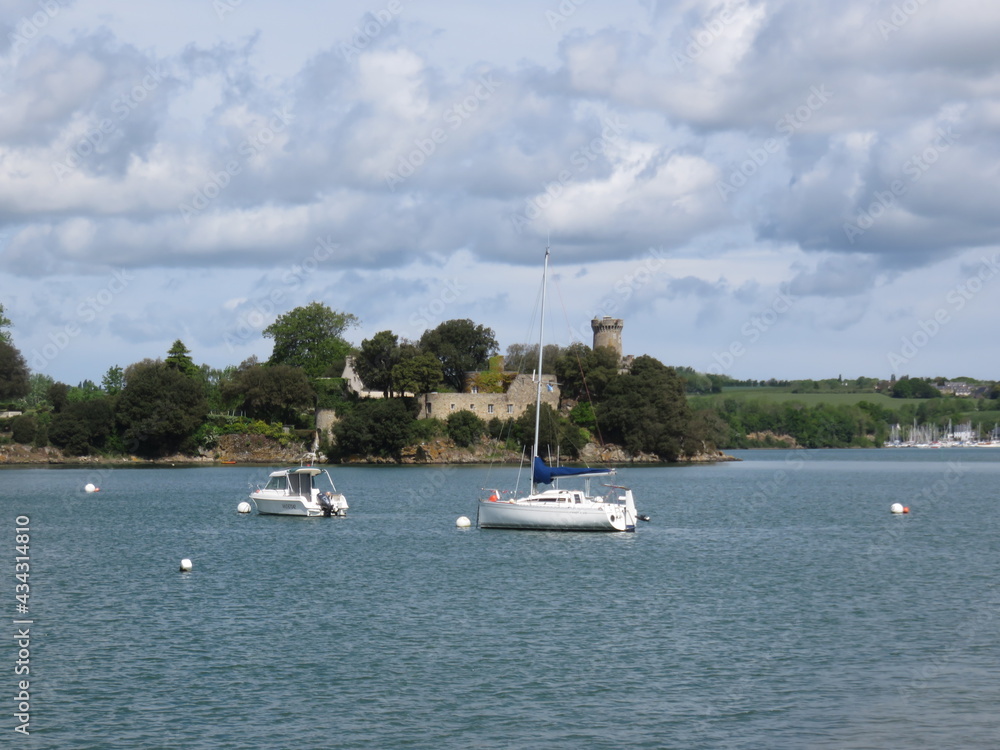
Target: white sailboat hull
(548, 515)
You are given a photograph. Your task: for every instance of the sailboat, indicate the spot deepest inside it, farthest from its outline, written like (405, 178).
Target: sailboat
(559, 509)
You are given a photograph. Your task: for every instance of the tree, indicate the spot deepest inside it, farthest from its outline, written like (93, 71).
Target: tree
(23, 429)
(914, 388)
(179, 358)
(57, 396)
(645, 411)
(375, 361)
(14, 381)
(461, 346)
(4, 324)
(83, 426)
(374, 427)
(524, 358)
(87, 390)
(310, 337)
(465, 428)
(39, 384)
(159, 409)
(585, 373)
(555, 432)
(420, 373)
(113, 380)
(275, 393)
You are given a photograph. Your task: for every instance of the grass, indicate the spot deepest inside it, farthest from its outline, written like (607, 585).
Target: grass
(782, 395)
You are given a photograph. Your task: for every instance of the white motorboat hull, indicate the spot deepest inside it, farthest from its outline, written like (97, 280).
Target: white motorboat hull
(548, 516)
(296, 506)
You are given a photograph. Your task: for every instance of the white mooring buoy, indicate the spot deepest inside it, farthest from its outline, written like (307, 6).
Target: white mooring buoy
(186, 565)
(463, 522)
(244, 507)
(88, 487)
(896, 508)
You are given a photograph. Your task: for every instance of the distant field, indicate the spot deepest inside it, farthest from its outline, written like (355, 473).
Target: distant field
(780, 395)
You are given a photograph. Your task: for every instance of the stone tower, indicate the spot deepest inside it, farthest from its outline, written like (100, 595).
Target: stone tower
(608, 332)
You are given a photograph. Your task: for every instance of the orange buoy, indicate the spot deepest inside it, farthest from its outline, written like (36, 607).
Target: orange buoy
(906, 509)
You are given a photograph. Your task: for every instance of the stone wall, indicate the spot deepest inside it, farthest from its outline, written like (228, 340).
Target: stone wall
(509, 405)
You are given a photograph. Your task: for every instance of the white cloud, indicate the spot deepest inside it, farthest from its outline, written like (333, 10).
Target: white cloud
(452, 143)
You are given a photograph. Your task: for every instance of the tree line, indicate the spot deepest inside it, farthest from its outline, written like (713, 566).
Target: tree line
(159, 407)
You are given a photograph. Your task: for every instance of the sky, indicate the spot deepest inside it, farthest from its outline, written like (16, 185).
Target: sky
(758, 189)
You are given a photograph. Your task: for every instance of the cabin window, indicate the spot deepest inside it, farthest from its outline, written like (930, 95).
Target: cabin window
(277, 483)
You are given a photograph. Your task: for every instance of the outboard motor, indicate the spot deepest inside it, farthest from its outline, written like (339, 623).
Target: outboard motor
(325, 504)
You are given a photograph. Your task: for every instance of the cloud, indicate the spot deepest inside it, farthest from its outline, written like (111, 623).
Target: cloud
(833, 148)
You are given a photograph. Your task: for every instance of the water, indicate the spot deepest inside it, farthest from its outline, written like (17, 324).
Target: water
(772, 603)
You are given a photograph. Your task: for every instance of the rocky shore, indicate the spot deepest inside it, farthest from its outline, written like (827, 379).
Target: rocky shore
(257, 449)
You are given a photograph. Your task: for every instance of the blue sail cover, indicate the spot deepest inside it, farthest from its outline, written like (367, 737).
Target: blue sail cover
(543, 474)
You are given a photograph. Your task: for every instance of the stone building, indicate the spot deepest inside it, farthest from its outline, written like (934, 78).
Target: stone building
(608, 332)
(508, 405)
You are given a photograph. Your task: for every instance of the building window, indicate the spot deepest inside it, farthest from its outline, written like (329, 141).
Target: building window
(453, 407)
(475, 389)
(472, 407)
(489, 408)
(428, 407)
(510, 408)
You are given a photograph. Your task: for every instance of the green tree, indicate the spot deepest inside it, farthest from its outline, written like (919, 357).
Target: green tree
(585, 373)
(273, 393)
(14, 383)
(310, 337)
(179, 358)
(420, 373)
(524, 358)
(556, 434)
(465, 428)
(646, 411)
(87, 390)
(914, 388)
(374, 427)
(215, 379)
(4, 325)
(113, 380)
(375, 361)
(39, 384)
(57, 395)
(461, 346)
(159, 409)
(83, 427)
(23, 429)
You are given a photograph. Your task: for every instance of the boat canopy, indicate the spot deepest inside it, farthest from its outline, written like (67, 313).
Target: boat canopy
(543, 474)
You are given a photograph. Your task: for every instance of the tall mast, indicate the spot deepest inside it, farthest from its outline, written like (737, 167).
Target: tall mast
(538, 390)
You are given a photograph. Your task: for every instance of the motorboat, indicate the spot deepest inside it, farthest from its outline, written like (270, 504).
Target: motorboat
(299, 491)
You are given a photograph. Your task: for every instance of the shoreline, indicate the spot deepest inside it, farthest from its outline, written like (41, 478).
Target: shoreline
(24, 456)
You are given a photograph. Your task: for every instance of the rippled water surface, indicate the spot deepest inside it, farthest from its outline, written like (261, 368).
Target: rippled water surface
(770, 603)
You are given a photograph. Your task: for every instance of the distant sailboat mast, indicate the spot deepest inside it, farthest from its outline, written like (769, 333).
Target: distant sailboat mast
(538, 385)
